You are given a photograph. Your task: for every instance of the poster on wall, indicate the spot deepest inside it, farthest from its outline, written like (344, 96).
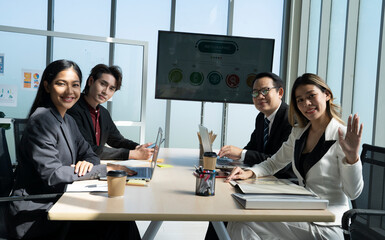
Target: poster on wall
(31, 78)
(8, 95)
(1, 64)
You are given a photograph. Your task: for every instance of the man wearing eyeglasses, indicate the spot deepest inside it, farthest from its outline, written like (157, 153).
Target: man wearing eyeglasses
(272, 127)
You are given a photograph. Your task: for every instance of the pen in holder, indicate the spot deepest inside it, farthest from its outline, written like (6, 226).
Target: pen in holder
(205, 182)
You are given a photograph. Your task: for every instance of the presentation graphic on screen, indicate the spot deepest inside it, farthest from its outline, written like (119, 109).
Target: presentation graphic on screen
(212, 68)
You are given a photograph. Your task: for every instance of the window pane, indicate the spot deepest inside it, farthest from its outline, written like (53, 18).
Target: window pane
(151, 19)
(127, 101)
(22, 53)
(89, 17)
(250, 18)
(313, 39)
(366, 64)
(199, 17)
(85, 53)
(24, 13)
(336, 48)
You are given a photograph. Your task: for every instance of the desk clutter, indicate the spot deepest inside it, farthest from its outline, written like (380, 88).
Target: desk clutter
(206, 140)
(205, 181)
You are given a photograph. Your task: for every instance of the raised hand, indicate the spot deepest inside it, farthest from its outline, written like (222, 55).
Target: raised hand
(350, 144)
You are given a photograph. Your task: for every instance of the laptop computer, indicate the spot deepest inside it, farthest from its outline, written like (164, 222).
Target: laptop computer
(222, 162)
(146, 173)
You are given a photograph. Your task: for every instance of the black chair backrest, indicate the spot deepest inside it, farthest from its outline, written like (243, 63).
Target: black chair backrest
(6, 170)
(370, 226)
(373, 170)
(19, 125)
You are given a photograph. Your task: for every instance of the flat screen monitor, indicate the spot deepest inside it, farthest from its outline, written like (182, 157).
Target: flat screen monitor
(210, 68)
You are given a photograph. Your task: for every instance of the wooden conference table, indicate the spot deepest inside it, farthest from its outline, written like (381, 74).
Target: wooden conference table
(170, 196)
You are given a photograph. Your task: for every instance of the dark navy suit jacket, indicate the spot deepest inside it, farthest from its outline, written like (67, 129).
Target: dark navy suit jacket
(279, 133)
(120, 146)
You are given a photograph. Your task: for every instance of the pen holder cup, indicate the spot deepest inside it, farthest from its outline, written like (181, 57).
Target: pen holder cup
(205, 184)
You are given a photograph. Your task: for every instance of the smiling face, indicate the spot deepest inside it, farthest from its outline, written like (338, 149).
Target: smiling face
(312, 102)
(101, 89)
(269, 103)
(64, 90)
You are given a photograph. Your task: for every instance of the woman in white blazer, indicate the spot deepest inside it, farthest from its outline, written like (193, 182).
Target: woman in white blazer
(325, 158)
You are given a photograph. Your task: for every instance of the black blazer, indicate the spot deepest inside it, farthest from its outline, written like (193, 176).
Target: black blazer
(49, 146)
(279, 133)
(120, 146)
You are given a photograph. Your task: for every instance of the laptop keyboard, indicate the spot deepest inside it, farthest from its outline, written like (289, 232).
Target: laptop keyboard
(224, 161)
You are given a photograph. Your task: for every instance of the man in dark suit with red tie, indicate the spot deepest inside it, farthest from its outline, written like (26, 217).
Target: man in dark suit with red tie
(272, 129)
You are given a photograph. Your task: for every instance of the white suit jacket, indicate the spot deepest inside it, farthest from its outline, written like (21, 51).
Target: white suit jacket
(330, 178)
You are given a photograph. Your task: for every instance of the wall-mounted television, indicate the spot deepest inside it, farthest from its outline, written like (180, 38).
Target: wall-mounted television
(210, 68)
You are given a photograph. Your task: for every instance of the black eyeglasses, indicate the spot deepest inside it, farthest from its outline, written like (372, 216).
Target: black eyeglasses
(263, 91)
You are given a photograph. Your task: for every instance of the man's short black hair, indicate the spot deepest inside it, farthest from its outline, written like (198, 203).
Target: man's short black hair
(277, 81)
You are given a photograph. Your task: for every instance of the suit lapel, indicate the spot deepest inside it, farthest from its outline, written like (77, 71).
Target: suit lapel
(259, 135)
(66, 133)
(298, 148)
(321, 148)
(68, 137)
(87, 113)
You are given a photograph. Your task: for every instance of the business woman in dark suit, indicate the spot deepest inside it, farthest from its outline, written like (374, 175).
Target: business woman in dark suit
(95, 122)
(53, 154)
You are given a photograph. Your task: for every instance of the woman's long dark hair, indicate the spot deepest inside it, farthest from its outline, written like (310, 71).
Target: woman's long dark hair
(43, 98)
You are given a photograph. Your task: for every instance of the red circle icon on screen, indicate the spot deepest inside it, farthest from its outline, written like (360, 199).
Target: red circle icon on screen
(232, 80)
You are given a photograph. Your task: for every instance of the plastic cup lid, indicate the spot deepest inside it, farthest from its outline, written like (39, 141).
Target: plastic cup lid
(117, 173)
(210, 154)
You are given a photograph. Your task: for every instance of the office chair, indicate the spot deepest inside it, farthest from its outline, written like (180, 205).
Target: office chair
(19, 125)
(6, 170)
(6, 184)
(367, 218)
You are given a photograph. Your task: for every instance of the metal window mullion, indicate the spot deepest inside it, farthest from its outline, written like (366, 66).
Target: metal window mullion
(50, 27)
(379, 112)
(304, 37)
(225, 106)
(323, 47)
(350, 52)
(293, 42)
(285, 39)
(144, 93)
(168, 102)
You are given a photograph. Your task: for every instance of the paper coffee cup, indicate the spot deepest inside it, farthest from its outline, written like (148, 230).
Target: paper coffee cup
(116, 181)
(209, 160)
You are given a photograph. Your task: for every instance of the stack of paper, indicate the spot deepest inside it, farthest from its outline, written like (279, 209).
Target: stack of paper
(272, 193)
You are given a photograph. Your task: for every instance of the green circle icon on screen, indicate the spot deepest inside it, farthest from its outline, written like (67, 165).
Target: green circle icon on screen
(196, 78)
(214, 77)
(175, 75)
